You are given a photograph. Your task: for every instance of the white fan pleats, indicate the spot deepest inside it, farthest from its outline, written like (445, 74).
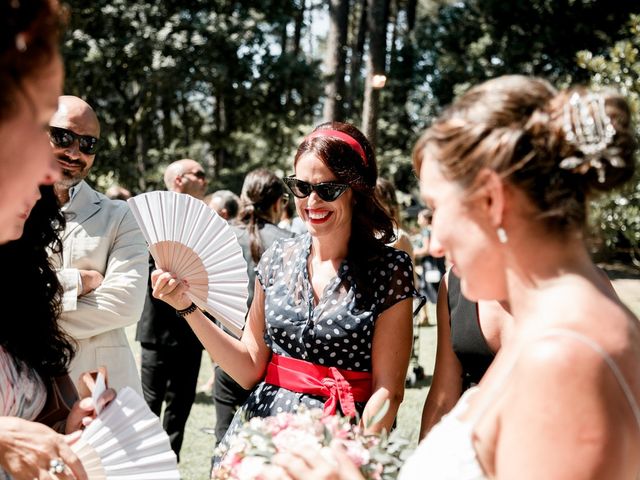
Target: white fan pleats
(188, 238)
(126, 441)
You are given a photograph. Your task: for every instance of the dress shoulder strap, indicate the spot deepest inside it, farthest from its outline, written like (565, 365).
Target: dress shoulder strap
(589, 342)
(585, 340)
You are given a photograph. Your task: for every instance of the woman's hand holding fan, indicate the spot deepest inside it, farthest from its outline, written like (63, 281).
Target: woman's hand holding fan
(85, 410)
(126, 441)
(171, 289)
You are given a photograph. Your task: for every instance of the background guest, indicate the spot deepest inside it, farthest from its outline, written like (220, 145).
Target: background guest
(225, 203)
(116, 192)
(104, 261)
(262, 200)
(432, 268)
(386, 193)
(289, 220)
(469, 336)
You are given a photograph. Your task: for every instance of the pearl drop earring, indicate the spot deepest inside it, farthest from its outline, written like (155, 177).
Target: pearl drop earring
(502, 235)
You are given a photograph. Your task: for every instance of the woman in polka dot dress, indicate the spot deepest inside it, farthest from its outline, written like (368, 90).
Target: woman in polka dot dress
(330, 324)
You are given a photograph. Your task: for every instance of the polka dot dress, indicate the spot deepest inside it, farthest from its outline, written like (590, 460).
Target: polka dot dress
(337, 331)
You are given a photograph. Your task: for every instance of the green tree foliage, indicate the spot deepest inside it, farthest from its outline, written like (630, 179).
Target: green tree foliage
(228, 83)
(473, 40)
(214, 80)
(618, 215)
(458, 44)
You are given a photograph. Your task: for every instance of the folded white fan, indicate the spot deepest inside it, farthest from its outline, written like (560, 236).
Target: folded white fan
(188, 238)
(126, 442)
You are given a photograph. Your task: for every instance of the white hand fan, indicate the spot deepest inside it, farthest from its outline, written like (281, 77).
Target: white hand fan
(188, 238)
(126, 442)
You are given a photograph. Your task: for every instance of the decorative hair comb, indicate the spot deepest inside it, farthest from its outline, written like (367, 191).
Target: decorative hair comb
(587, 127)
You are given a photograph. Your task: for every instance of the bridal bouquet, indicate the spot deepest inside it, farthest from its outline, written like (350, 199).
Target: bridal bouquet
(377, 456)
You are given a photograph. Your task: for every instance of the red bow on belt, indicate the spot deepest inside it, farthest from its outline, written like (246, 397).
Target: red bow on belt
(344, 386)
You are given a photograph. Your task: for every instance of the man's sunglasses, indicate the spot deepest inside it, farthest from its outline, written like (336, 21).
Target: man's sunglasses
(63, 138)
(200, 175)
(327, 191)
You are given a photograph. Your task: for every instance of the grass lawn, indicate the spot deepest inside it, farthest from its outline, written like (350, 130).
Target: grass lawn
(198, 444)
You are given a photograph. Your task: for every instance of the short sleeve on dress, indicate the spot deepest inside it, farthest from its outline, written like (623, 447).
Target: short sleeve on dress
(269, 264)
(394, 280)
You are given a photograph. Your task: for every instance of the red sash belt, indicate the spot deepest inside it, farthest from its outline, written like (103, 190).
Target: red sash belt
(345, 386)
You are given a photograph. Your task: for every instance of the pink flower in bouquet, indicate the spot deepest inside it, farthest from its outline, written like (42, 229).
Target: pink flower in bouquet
(293, 439)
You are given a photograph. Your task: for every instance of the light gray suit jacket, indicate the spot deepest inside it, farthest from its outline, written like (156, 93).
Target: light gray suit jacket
(102, 235)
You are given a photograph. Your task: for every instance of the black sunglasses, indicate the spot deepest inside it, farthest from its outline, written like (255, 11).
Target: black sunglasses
(327, 191)
(63, 138)
(198, 174)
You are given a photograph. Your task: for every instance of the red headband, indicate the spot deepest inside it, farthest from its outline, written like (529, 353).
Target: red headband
(348, 139)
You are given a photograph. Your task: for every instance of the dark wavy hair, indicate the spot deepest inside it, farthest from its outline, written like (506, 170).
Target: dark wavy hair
(30, 31)
(32, 293)
(371, 225)
(260, 190)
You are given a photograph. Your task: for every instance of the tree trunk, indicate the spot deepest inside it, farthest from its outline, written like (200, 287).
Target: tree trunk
(298, 18)
(222, 133)
(141, 152)
(411, 14)
(377, 22)
(357, 50)
(393, 24)
(335, 61)
(284, 39)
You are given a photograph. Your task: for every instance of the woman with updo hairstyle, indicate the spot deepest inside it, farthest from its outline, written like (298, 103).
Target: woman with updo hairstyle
(509, 169)
(330, 325)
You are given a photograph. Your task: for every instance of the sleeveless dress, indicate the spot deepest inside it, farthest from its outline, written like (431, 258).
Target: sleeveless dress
(433, 269)
(448, 453)
(467, 340)
(23, 394)
(335, 332)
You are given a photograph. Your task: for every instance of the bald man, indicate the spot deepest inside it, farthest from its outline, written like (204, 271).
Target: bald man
(104, 270)
(170, 352)
(186, 176)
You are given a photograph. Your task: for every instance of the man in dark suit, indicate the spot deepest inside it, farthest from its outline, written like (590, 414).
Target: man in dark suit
(171, 353)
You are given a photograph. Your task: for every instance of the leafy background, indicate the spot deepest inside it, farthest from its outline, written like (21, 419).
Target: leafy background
(236, 84)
